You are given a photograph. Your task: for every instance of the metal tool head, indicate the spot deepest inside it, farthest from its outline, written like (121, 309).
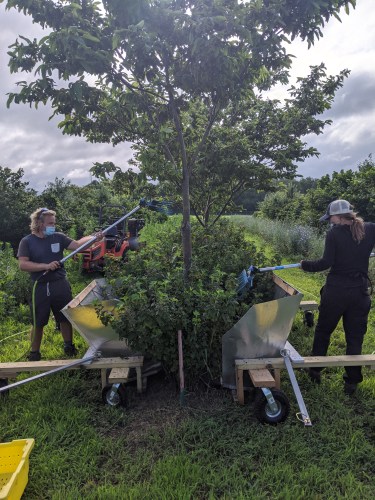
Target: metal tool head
(245, 279)
(164, 207)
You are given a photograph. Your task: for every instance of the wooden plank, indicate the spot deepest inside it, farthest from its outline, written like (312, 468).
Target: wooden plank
(262, 378)
(47, 365)
(239, 387)
(118, 375)
(309, 362)
(308, 305)
(138, 369)
(276, 375)
(103, 377)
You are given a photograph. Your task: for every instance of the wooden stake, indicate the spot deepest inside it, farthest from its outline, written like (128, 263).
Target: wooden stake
(181, 367)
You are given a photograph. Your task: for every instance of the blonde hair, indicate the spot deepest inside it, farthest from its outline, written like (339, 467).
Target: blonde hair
(37, 218)
(357, 226)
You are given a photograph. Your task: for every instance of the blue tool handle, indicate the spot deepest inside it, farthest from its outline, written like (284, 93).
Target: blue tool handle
(276, 268)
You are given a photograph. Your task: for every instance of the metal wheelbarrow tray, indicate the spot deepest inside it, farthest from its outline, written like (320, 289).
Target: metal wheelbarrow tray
(106, 351)
(256, 348)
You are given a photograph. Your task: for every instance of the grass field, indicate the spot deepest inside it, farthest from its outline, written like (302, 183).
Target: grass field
(209, 448)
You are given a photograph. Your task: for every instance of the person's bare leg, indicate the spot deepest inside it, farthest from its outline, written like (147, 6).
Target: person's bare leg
(66, 331)
(36, 338)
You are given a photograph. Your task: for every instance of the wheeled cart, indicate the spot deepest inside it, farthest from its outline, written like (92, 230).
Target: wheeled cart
(265, 373)
(112, 371)
(256, 348)
(117, 363)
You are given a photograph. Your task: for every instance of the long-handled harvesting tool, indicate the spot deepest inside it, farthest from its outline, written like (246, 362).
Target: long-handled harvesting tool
(246, 278)
(155, 206)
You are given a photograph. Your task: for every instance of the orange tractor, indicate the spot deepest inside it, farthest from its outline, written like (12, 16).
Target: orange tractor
(121, 238)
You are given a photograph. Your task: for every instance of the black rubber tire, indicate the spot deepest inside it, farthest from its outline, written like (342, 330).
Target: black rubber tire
(308, 319)
(263, 412)
(133, 243)
(120, 399)
(3, 383)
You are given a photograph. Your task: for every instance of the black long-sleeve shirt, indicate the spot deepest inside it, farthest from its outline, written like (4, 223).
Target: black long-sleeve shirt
(348, 260)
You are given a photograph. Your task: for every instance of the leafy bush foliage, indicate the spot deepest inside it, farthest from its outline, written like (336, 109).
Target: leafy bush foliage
(156, 302)
(14, 284)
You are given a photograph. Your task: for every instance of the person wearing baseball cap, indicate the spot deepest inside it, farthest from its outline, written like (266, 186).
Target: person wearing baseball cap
(337, 207)
(345, 295)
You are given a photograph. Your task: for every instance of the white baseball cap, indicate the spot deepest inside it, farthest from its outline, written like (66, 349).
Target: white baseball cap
(337, 207)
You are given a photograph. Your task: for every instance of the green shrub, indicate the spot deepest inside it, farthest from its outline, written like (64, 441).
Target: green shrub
(156, 302)
(14, 284)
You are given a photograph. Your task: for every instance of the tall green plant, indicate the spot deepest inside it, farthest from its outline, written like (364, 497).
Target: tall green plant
(14, 284)
(157, 302)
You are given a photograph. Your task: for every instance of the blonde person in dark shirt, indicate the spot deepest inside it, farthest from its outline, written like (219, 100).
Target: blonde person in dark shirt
(40, 254)
(345, 295)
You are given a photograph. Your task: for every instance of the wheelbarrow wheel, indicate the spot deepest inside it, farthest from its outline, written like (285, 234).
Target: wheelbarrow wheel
(3, 383)
(115, 398)
(308, 319)
(265, 414)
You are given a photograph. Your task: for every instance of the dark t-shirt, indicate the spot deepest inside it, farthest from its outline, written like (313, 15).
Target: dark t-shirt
(45, 250)
(348, 260)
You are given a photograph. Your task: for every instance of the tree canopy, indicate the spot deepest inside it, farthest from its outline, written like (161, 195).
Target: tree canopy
(154, 61)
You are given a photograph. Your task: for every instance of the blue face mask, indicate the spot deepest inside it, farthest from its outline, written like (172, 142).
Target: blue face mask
(49, 230)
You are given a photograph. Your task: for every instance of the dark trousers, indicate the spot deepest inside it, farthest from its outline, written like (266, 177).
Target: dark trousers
(51, 296)
(353, 306)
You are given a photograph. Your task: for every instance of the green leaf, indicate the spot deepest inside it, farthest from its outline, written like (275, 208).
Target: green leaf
(88, 36)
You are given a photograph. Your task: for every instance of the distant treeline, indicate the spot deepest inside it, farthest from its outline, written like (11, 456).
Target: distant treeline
(304, 201)
(299, 201)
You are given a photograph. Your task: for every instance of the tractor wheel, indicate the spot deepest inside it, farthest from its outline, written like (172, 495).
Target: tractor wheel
(117, 397)
(133, 243)
(263, 411)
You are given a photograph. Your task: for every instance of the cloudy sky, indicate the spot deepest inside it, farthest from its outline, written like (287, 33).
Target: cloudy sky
(30, 141)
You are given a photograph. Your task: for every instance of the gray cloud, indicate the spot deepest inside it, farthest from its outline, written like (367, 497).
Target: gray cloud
(351, 137)
(356, 97)
(30, 141)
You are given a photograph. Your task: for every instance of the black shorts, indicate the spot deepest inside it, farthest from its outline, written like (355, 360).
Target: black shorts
(51, 296)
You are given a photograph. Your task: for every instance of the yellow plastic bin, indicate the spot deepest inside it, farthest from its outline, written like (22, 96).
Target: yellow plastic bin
(14, 468)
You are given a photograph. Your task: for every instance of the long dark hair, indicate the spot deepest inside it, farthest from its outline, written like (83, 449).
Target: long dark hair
(357, 226)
